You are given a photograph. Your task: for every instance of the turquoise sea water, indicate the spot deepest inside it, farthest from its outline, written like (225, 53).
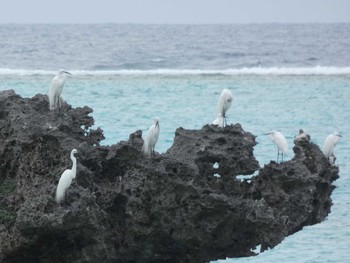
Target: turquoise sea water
(278, 84)
(319, 104)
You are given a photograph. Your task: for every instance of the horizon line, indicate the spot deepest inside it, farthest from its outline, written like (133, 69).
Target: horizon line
(169, 23)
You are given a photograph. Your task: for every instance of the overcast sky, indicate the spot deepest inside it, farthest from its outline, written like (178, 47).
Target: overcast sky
(174, 11)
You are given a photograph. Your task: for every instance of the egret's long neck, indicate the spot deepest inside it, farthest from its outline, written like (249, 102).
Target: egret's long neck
(74, 166)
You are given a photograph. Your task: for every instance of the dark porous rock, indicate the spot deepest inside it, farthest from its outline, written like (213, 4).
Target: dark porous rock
(231, 148)
(185, 205)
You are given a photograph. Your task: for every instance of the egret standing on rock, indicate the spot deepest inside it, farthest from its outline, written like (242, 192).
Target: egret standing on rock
(281, 142)
(225, 101)
(329, 144)
(151, 138)
(56, 89)
(66, 179)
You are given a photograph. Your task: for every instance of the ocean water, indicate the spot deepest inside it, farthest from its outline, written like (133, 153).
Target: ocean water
(283, 77)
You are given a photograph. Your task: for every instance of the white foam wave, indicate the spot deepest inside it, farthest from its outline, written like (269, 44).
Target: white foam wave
(318, 70)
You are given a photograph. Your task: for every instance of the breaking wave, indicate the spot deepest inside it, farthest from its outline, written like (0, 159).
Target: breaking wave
(318, 70)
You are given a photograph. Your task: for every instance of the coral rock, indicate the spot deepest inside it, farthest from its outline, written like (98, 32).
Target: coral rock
(123, 207)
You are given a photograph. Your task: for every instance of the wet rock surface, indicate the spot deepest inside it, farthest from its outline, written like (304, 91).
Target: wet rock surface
(123, 207)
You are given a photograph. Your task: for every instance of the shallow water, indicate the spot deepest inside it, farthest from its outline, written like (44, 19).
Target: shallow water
(318, 104)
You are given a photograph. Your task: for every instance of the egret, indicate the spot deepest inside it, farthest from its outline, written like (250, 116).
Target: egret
(219, 121)
(281, 142)
(56, 89)
(225, 101)
(66, 179)
(329, 144)
(151, 138)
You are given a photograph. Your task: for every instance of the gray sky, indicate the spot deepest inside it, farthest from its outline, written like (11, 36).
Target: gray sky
(174, 11)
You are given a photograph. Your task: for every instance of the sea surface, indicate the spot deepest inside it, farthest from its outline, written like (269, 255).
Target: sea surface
(282, 76)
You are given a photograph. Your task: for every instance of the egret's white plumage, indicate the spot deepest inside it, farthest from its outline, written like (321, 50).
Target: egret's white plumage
(219, 121)
(329, 144)
(56, 89)
(151, 138)
(225, 101)
(66, 179)
(281, 142)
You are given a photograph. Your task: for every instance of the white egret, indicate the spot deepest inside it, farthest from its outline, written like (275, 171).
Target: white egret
(329, 144)
(225, 101)
(219, 121)
(66, 179)
(56, 89)
(151, 138)
(281, 142)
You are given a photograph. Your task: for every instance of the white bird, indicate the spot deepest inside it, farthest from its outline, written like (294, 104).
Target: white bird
(225, 101)
(56, 89)
(329, 144)
(151, 138)
(281, 142)
(66, 179)
(219, 121)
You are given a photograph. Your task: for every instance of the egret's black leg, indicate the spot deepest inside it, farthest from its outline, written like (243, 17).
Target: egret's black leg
(59, 106)
(278, 154)
(65, 201)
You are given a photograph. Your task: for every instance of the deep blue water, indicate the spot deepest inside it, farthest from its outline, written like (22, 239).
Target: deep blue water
(120, 47)
(283, 77)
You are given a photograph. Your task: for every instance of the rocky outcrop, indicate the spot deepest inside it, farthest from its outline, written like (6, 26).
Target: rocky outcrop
(185, 205)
